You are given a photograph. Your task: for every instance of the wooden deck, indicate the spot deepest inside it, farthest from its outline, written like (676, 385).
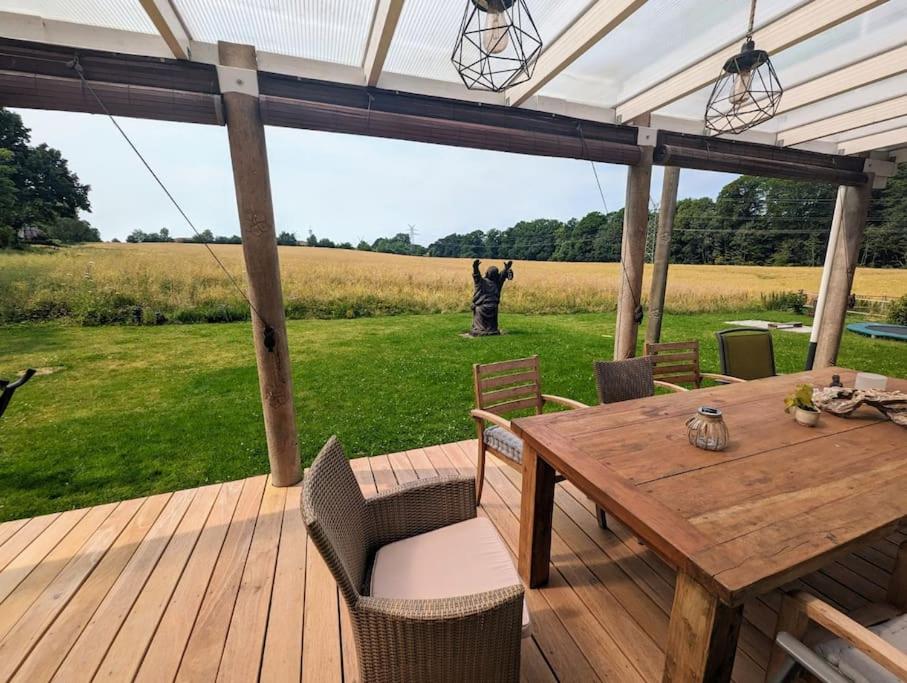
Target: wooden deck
(220, 583)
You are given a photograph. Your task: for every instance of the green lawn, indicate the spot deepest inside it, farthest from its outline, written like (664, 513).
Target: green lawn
(137, 410)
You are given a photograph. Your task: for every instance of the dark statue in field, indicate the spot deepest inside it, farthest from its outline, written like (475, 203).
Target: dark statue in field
(487, 297)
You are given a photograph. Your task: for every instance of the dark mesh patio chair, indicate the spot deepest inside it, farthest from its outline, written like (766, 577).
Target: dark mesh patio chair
(431, 589)
(625, 380)
(746, 353)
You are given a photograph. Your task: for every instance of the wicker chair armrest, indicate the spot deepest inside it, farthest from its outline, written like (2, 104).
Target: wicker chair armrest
(469, 638)
(725, 379)
(560, 400)
(485, 416)
(669, 386)
(421, 506)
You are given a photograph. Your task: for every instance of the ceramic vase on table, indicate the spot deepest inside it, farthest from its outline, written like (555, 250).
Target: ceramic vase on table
(807, 418)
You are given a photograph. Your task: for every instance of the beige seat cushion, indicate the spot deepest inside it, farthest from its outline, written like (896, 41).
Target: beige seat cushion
(860, 668)
(460, 559)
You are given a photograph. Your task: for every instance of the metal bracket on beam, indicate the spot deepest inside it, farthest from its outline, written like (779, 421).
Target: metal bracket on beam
(646, 137)
(882, 170)
(235, 79)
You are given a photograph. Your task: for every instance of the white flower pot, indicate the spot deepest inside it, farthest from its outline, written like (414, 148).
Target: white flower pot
(807, 418)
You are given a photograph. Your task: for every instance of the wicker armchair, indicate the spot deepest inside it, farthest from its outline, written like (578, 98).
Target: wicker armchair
(625, 380)
(468, 638)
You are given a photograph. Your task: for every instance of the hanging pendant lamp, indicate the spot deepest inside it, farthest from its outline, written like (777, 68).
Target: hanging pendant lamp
(498, 44)
(747, 91)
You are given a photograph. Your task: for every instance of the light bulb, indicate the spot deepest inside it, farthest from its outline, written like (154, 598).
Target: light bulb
(495, 34)
(742, 88)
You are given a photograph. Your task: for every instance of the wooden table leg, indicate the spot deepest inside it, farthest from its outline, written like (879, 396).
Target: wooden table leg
(897, 587)
(702, 636)
(536, 512)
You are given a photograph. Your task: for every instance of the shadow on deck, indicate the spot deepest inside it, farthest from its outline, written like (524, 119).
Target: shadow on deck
(220, 583)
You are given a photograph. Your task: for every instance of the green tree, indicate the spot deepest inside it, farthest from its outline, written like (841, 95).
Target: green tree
(45, 188)
(287, 239)
(72, 230)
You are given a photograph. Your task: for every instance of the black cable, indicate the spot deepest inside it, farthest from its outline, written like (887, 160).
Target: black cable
(268, 331)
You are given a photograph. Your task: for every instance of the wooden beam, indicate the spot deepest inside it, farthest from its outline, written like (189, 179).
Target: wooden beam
(168, 23)
(666, 210)
(832, 125)
(387, 14)
(855, 206)
(864, 72)
(891, 138)
(786, 31)
(249, 155)
(632, 258)
(590, 27)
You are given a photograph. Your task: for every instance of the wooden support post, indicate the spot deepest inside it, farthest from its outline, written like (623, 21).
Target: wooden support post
(855, 206)
(702, 635)
(666, 211)
(632, 256)
(259, 243)
(536, 516)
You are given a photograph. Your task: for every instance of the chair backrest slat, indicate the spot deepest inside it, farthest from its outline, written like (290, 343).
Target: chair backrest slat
(508, 386)
(676, 362)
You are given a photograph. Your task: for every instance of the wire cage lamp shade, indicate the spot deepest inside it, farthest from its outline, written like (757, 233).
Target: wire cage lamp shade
(497, 46)
(747, 91)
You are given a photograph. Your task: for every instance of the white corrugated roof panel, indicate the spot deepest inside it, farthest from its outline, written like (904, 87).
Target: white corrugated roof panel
(125, 15)
(325, 30)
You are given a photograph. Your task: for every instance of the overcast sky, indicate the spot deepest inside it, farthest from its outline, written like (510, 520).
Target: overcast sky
(343, 187)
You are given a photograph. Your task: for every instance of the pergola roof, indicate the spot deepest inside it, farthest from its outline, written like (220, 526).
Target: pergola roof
(843, 63)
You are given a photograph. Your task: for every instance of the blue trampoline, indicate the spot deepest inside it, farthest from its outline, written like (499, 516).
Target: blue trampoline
(882, 330)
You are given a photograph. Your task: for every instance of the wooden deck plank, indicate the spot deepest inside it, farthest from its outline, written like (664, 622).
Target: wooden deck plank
(282, 659)
(382, 472)
(8, 529)
(246, 638)
(128, 648)
(88, 651)
(24, 537)
(232, 588)
(31, 557)
(321, 656)
(162, 660)
(50, 567)
(61, 612)
(206, 643)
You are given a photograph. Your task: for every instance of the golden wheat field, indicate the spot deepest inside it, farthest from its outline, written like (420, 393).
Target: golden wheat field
(87, 282)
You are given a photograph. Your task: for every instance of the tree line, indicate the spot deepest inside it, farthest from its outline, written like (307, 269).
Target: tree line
(753, 221)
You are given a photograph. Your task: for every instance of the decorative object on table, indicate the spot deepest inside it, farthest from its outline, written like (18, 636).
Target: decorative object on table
(486, 298)
(497, 46)
(747, 91)
(801, 403)
(836, 381)
(870, 380)
(842, 402)
(707, 430)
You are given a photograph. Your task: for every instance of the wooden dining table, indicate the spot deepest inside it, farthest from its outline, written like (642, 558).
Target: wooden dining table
(779, 502)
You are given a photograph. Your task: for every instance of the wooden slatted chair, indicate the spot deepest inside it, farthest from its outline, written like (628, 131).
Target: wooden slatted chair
(845, 650)
(678, 363)
(503, 388)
